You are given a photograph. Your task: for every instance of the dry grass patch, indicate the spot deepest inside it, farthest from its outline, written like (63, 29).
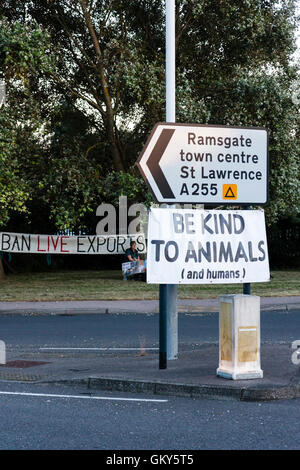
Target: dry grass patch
(108, 285)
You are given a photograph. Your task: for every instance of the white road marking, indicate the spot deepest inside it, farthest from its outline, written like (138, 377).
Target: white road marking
(49, 395)
(98, 349)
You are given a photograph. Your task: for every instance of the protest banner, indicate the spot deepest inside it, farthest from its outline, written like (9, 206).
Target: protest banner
(203, 247)
(65, 244)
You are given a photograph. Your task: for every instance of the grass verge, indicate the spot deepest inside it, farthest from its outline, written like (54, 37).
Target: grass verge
(108, 285)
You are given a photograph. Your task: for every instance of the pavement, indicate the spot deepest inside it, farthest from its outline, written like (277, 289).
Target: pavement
(133, 306)
(192, 374)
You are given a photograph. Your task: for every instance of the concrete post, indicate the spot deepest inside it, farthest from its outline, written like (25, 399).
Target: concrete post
(239, 334)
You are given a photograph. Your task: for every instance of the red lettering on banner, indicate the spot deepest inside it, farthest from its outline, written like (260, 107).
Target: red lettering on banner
(53, 242)
(63, 243)
(38, 244)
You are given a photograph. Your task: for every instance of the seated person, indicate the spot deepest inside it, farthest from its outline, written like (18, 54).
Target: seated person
(132, 253)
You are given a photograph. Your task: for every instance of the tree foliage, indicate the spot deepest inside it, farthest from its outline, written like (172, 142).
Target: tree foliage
(88, 79)
(22, 54)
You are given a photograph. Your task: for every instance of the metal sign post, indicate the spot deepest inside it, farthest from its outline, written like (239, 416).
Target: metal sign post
(168, 323)
(247, 285)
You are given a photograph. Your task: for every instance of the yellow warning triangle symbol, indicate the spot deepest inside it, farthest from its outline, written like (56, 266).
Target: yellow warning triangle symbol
(230, 193)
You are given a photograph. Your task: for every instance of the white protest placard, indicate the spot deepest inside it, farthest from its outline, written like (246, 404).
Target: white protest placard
(207, 247)
(66, 244)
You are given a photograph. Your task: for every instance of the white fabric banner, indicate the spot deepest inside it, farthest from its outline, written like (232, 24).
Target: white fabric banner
(65, 244)
(207, 247)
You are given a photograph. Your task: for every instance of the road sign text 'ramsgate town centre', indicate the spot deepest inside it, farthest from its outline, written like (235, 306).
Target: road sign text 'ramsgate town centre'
(189, 163)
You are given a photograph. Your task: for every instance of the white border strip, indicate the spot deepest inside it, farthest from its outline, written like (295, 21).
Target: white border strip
(46, 395)
(99, 349)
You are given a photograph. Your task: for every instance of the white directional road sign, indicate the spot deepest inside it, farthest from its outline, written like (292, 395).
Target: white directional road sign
(190, 163)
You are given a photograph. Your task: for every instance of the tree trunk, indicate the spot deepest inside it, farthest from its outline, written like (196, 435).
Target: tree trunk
(117, 159)
(118, 163)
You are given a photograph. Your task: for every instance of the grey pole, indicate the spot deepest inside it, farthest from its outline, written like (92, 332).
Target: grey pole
(247, 288)
(247, 285)
(168, 323)
(170, 62)
(163, 326)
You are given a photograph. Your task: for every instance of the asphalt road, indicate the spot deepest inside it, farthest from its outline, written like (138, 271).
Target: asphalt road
(36, 416)
(128, 330)
(57, 417)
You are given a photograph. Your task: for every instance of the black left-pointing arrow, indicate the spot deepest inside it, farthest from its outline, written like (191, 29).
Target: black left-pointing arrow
(153, 163)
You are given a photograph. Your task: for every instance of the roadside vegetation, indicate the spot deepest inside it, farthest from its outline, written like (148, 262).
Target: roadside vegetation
(108, 285)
